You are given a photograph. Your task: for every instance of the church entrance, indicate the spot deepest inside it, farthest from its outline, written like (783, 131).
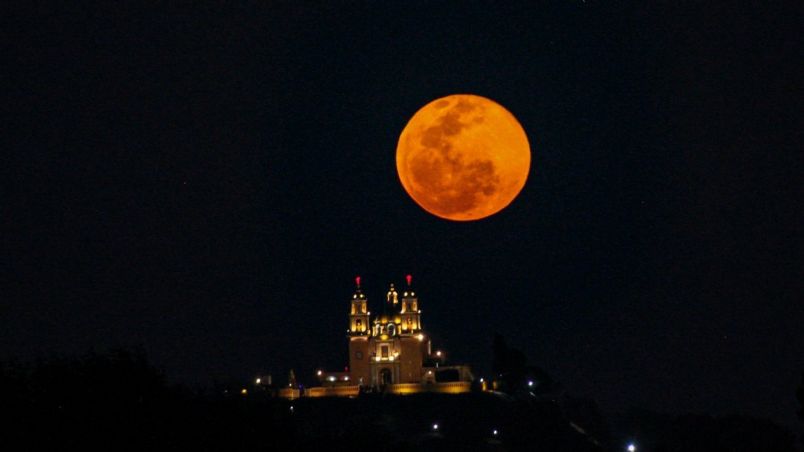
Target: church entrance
(385, 377)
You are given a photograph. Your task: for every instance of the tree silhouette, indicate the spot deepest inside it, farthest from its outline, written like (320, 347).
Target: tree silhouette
(513, 373)
(506, 360)
(800, 397)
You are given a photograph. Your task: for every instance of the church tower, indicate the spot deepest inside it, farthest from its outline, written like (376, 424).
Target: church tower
(390, 347)
(359, 333)
(409, 310)
(389, 352)
(413, 343)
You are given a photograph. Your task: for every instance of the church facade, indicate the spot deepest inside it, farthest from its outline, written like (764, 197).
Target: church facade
(390, 351)
(390, 348)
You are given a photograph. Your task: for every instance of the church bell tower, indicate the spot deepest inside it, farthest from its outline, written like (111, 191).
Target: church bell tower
(358, 333)
(413, 343)
(409, 310)
(359, 315)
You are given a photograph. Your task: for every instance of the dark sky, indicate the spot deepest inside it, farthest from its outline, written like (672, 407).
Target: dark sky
(204, 182)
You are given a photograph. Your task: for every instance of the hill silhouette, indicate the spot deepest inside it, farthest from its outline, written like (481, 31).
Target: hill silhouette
(118, 401)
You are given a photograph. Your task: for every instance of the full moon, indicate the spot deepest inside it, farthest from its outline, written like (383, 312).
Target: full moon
(463, 157)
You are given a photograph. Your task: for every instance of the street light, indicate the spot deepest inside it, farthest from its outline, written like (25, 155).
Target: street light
(631, 448)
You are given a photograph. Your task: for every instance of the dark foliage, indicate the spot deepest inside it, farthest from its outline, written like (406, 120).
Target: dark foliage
(513, 372)
(117, 401)
(800, 396)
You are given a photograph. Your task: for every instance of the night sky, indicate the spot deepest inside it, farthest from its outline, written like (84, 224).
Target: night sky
(204, 182)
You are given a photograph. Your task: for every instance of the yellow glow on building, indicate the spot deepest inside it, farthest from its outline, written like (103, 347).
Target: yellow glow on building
(389, 351)
(406, 388)
(457, 387)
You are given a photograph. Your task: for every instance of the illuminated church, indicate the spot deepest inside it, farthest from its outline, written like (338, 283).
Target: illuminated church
(391, 352)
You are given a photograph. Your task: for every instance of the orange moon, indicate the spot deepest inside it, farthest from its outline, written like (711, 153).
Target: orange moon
(463, 157)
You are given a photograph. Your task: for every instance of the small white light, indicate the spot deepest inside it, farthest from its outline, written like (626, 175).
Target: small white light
(438, 353)
(319, 373)
(631, 447)
(259, 380)
(291, 408)
(331, 378)
(435, 427)
(495, 432)
(530, 383)
(346, 378)
(481, 380)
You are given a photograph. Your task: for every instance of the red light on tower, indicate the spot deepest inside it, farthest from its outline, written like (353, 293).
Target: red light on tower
(409, 278)
(357, 281)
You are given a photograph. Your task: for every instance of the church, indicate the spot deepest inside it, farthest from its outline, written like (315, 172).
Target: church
(391, 352)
